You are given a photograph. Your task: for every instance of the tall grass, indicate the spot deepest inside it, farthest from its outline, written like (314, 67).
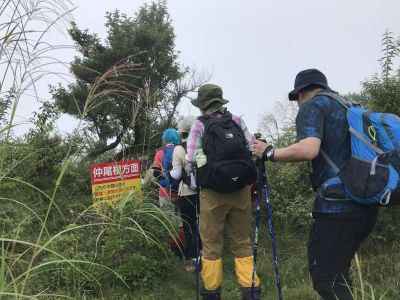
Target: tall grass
(26, 57)
(364, 290)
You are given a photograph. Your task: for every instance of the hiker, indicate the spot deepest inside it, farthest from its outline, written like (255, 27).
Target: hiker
(187, 201)
(339, 225)
(218, 145)
(163, 160)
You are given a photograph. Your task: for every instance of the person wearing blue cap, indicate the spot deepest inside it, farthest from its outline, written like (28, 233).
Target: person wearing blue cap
(162, 164)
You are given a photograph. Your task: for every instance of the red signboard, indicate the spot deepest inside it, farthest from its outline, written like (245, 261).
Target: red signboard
(115, 171)
(113, 181)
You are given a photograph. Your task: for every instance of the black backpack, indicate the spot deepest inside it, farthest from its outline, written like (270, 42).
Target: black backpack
(229, 165)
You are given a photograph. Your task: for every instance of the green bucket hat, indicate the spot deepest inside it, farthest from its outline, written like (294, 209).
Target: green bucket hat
(209, 97)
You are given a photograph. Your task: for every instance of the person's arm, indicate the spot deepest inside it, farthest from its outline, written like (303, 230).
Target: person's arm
(194, 141)
(177, 163)
(305, 150)
(309, 125)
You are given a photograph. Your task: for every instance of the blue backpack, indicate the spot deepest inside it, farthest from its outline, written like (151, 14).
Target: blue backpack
(372, 173)
(166, 181)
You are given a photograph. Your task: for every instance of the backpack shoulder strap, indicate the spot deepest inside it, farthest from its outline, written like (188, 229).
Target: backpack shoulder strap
(209, 120)
(203, 119)
(228, 114)
(330, 162)
(239, 128)
(335, 96)
(346, 104)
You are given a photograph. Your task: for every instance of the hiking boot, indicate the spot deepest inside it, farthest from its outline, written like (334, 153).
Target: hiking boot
(251, 293)
(211, 295)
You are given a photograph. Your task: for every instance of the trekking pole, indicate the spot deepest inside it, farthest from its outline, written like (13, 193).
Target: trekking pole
(263, 189)
(255, 243)
(198, 255)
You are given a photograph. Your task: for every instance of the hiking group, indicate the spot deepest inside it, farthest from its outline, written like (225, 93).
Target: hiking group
(210, 173)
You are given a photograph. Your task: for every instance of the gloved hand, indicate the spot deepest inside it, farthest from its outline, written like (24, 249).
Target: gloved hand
(201, 158)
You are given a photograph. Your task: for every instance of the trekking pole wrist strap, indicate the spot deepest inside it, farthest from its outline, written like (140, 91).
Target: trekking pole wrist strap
(269, 153)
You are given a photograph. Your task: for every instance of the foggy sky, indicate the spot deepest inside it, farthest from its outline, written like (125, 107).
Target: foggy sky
(254, 49)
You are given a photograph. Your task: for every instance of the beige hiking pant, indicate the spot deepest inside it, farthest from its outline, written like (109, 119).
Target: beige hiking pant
(230, 212)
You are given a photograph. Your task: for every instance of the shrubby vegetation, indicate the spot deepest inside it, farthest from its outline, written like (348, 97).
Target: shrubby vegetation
(52, 239)
(54, 242)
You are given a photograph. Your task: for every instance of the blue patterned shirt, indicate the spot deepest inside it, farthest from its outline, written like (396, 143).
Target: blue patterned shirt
(324, 118)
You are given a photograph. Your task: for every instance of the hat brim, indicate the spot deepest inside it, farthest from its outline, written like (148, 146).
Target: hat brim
(196, 102)
(293, 95)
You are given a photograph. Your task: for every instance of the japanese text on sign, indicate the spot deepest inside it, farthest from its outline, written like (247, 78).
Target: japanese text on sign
(112, 181)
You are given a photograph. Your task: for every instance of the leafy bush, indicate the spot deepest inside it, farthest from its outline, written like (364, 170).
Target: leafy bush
(291, 193)
(382, 93)
(33, 166)
(126, 251)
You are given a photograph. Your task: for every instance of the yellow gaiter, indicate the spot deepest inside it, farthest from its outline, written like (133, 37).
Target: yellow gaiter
(244, 271)
(211, 273)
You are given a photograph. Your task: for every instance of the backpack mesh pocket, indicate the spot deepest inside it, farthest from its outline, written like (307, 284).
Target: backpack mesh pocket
(362, 180)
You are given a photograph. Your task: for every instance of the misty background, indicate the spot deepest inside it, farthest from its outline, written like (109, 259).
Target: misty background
(253, 49)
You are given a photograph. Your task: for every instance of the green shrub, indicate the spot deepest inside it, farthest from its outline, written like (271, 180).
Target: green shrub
(131, 243)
